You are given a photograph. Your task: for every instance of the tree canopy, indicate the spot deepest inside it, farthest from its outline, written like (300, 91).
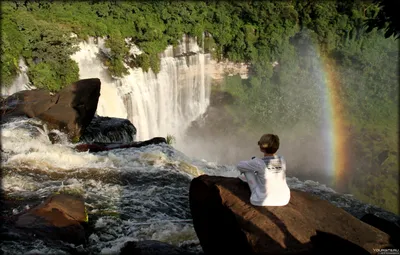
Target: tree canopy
(256, 32)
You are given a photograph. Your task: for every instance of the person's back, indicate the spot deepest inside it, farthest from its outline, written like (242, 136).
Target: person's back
(267, 176)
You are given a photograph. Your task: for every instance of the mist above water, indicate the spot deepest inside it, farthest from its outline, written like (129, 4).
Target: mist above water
(306, 155)
(298, 114)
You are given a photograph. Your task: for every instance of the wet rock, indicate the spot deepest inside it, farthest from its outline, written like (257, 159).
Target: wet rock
(96, 147)
(55, 137)
(109, 130)
(28, 103)
(75, 107)
(60, 217)
(70, 110)
(226, 222)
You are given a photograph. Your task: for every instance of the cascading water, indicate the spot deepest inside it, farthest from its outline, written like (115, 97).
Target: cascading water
(158, 105)
(20, 83)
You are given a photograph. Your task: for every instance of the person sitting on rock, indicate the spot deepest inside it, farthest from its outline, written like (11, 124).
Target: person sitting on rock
(266, 176)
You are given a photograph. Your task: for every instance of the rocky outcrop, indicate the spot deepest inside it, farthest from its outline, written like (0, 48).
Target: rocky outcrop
(109, 130)
(96, 147)
(388, 227)
(219, 69)
(58, 218)
(70, 110)
(226, 222)
(28, 103)
(75, 107)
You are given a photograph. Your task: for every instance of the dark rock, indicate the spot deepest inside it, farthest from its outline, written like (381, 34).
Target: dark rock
(75, 107)
(55, 137)
(28, 103)
(58, 218)
(109, 130)
(152, 247)
(70, 110)
(388, 227)
(96, 147)
(226, 222)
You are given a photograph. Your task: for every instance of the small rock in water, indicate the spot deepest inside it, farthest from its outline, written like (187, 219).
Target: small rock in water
(59, 217)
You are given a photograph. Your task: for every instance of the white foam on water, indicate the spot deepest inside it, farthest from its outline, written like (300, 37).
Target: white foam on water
(172, 233)
(22, 148)
(116, 245)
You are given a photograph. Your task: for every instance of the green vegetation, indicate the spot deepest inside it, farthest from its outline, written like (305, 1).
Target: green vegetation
(256, 32)
(306, 39)
(41, 33)
(170, 139)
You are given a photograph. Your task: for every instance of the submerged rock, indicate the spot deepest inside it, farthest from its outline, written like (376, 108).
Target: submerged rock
(226, 222)
(57, 218)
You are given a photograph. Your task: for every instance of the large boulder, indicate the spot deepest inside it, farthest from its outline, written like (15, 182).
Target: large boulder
(109, 130)
(70, 110)
(75, 107)
(28, 103)
(60, 217)
(226, 222)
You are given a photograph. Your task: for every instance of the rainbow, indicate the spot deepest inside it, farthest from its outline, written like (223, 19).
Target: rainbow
(335, 131)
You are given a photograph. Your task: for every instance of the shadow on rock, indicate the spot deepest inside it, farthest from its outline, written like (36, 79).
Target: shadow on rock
(226, 222)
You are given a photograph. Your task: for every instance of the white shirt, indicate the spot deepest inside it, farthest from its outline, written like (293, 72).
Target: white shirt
(267, 180)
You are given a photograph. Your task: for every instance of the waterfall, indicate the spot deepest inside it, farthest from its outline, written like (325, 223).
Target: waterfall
(158, 105)
(20, 83)
(90, 66)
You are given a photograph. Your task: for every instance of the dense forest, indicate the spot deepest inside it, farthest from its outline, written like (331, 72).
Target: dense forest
(300, 36)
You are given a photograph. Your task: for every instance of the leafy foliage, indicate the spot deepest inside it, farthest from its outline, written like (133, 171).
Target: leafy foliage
(386, 19)
(255, 32)
(118, 52)
(170, 139)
